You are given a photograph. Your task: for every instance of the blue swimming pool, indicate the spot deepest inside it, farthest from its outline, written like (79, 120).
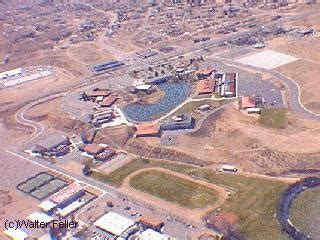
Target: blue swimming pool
(175, 94)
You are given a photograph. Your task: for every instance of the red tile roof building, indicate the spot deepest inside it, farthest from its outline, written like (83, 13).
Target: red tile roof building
(94, 149)
(205, 86)
(248, 102)
(98, 93)
(108, 101)
(148, 130)
(149, 222)
(204, 73)
(66, 194)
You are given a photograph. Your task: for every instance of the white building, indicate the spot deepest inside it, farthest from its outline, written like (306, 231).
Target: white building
(16, 234)
(10, 73)
(114, 225)
(150, 234)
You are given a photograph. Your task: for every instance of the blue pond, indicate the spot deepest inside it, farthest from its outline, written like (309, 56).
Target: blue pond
(175, 94)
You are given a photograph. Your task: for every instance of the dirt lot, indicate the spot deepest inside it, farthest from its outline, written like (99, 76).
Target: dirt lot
(19, 94)
(308, 21)
(305, 73)
(253, 147)
(15, 204)
(305, 70)
(51, 116)
(89, 53)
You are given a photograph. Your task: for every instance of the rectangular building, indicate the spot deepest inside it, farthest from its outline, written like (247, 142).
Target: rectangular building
(159, 79)
(99, 152)
(53, 145)
(113, 225)
(248, 102)
(108, 101)
(11, 73)
(93, 149)
(67, 195)
(148, 130)
(93, 95)
(182, 121)
(150, 222)
(204, 73)
(205, 86)
(150, 234)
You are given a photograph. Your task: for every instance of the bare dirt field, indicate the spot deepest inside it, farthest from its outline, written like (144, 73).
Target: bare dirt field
(309, 20)
(305, 74)
(15, 204)
(304, 71)
(51, 116)
(307, 48)
(19, 94)
(89, 53)
(253, 147)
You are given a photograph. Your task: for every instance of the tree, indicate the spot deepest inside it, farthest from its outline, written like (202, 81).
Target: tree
(87, 166)
(226, 223)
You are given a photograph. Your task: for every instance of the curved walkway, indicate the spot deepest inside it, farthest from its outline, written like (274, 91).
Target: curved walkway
(195, 214)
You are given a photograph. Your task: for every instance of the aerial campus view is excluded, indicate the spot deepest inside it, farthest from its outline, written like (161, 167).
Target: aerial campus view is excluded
(160, 119)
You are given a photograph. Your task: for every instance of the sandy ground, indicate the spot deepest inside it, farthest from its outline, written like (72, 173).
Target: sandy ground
(19, 94)
(89, 53)
(233, 137)
(306, 69)
(53, 117)
(305, 73)
(14, 204)
(306, 47)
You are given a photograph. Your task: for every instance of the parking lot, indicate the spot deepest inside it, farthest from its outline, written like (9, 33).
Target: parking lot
(253, 84)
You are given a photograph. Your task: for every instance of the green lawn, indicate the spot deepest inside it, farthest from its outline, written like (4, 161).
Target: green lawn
(190, 107)
(274, 118)
(305, 212)
(254, 200)
(174, 189)
(116, 178)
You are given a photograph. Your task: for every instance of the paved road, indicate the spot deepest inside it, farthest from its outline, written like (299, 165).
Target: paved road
(294, 89)
(38, 128)
(106, 190)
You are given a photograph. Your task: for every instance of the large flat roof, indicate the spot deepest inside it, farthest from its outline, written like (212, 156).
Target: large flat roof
(147, 129)
(41, 217)
(114, 223)
(52, 139)
(248, 102)
(16, 234)
(205, 86)
(47, 205)
(66, 193)
(150, 234)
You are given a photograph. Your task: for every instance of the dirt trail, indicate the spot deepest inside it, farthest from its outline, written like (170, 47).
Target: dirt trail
(195, 214)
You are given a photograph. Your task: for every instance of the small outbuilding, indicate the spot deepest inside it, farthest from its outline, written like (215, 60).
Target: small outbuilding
(113, 226)
(148, 130)
(150, 222)
(205, 86)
